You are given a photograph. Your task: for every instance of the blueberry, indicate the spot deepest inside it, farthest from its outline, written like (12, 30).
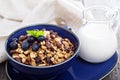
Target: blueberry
(35, 47)
(25, 45)
(15, 39)
(14, 45)
(41, 38)
(31, 39)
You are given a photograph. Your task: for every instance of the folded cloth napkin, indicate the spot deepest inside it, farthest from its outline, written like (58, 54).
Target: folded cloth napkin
(3, 56)
(15, 14)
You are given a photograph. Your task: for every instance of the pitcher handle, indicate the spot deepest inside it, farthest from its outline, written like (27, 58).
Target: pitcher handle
(115, 21)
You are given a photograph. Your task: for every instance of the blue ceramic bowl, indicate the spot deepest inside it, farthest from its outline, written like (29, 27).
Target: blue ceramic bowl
(43, 72)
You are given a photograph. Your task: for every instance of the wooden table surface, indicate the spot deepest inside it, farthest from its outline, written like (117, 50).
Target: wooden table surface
(3, 75)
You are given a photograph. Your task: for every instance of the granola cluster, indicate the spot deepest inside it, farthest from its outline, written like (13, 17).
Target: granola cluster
(46, 50)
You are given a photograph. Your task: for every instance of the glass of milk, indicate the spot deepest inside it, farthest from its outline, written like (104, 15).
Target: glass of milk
(98, 40)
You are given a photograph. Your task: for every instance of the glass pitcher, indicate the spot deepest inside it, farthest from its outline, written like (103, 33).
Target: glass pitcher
(98, 40)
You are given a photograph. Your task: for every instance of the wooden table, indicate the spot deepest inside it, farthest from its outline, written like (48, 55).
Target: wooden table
(3, 75)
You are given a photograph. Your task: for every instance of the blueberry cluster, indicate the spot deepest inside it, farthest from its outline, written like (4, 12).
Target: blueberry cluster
(26, 42)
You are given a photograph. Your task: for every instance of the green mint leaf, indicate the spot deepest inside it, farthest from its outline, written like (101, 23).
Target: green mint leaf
(29, 32)
(35, 33)
(40, 33)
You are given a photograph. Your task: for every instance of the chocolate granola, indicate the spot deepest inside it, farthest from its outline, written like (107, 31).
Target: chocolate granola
(44, 50)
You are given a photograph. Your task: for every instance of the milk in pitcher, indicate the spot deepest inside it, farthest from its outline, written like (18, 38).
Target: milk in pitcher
(98, 42)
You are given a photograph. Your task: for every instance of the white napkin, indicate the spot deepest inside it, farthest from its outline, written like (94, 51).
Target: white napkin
(15, 14)
(8, 26)
(3, 56)
(70, 12)
(43, 13)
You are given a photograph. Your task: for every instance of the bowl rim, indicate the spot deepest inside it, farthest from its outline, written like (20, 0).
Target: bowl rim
(73, 34)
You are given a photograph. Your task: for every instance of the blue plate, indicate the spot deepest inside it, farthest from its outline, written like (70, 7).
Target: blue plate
(80, 70)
